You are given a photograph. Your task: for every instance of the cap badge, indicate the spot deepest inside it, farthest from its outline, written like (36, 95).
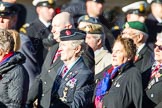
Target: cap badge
(86, 17)
(126, 25)
(68, 32)
(2, 7)
(141, 8)
(50, 1)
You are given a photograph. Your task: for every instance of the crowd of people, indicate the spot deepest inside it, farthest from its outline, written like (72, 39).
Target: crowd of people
(78, 58)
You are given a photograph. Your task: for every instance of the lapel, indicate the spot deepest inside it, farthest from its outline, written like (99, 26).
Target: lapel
(141, 53)
(49, 58)
(72, 72)
(99, 56)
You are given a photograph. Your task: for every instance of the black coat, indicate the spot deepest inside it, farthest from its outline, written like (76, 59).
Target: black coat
(154, 92)
(31, 64)
(123, 92)
(37, 32)
(43, 84)
(79, 92)
(153, 27)
(14, 82)
(144, 62)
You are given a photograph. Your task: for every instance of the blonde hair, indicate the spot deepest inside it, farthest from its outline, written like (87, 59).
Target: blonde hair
(16, 38)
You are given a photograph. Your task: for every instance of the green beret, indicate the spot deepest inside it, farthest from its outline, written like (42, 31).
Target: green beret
(136, 25)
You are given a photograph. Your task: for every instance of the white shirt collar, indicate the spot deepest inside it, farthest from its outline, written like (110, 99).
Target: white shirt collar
(140, 48)
(47, 24)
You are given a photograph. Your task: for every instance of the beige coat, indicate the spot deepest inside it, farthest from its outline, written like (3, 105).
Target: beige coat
(102, 60)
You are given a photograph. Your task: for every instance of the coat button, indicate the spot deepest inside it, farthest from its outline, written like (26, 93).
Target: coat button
(45, 82)
(49, 70)
(42, 95)
(152, 95)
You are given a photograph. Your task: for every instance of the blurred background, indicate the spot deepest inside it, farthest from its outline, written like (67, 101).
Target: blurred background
(108, 5)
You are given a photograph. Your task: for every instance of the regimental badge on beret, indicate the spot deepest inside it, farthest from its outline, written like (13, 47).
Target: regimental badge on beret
(126, 25)
(141, 8)
(86, 17)
(68, 32)
(50, 1)
(2, 7)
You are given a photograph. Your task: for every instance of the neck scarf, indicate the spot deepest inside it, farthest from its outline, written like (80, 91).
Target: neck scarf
(104, 85)
(6, 57)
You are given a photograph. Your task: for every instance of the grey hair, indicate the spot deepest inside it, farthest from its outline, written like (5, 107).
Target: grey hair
(100, 36)
(159, 36)
(76, 43)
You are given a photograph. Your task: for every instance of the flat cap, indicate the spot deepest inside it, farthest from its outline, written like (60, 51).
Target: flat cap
(45, 3)
(154, 1)
(136, 25)
(8, 9)
(72, 34)
(93, 29)
(135, 8)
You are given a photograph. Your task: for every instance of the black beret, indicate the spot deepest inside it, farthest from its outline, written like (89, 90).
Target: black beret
(8, 9)
(72, 34)
(98, 1)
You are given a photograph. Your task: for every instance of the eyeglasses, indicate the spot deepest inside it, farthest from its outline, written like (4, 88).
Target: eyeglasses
(158, 46)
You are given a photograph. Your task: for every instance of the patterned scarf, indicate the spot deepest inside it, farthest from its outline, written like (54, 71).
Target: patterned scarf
(6, 58)
(104, 85)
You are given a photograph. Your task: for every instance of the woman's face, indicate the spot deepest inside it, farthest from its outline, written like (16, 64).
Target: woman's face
(119, 54)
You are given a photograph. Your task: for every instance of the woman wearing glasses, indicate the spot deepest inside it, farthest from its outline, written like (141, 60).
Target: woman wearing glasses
(154, 88)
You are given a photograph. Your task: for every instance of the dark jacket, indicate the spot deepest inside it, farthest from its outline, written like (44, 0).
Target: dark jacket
(144, 62)
(14, 82)
(31, 64)
(37, 31)
(75, 90)
(153, 26)
(123, 92)
(43, 84)
(154, 92)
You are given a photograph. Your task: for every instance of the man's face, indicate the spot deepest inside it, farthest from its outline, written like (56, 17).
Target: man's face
(94, 9)
(67, 50)
(156, 9)
(46, 13)
(119, 55)
(92, 41)
(57, 26)
(130, 33)
(7, 22)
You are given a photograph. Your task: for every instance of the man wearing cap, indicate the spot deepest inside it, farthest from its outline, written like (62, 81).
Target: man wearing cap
(40, 28)
(8, 20)
(144, 54)
(95, 39)
(87, 20)
(73, 87)
(154, 19)
(52, 62)
(135, 11)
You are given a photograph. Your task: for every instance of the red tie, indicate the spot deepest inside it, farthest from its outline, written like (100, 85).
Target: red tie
(58, 53)
(135, 58)
(64, 71)
(155, 71)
